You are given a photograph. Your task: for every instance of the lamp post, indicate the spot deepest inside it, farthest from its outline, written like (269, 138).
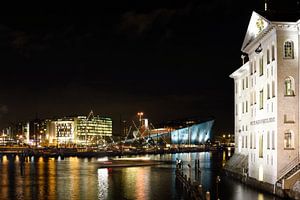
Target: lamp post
(140, 114)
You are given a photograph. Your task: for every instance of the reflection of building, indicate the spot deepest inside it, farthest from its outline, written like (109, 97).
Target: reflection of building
(267, 101)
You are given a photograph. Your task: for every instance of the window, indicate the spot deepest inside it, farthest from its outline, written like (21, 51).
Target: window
(268, 56)
(254, 140)
(243, 107)
(246, 142)
(247, 82)
(261, 99)
(288, 49)
(261, 66)
(254, 66)
(268, 140)
(251, 141)
(246, 106)
(243, 83)
(273, 88)
(289, 86)
(273, 52)
(268, 91)
(251, 67)
(288, 140)
(242, 141)
(261, 145)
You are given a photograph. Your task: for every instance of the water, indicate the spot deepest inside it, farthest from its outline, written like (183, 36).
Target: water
(81, 178)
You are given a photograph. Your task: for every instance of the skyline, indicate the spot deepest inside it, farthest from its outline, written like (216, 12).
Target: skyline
(168, 60)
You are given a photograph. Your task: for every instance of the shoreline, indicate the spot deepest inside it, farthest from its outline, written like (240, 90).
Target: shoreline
(71, 152)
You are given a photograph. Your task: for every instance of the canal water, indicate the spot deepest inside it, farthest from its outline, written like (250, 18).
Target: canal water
(81, 178)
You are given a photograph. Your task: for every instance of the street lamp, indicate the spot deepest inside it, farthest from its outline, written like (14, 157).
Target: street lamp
(140, 114)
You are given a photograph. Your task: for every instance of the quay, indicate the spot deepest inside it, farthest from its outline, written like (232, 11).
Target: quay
(89, 152)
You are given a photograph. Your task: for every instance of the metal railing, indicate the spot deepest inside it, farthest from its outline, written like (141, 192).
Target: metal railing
(288, 168)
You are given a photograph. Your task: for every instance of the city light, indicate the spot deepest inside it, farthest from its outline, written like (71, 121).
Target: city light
(140, 114)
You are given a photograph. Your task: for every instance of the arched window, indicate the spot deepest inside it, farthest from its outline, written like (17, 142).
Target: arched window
(288, 49)
(289, 86)
(288, 139)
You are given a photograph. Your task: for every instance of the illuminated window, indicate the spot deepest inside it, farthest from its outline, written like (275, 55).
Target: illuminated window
(261, 66)
(288, 139)
(289, 86)
(288, 49)
(261, 146)
(261, 99)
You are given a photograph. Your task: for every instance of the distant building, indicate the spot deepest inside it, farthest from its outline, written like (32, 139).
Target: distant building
(79, 130)
(266, 93)
(191, 134)
(92, 130)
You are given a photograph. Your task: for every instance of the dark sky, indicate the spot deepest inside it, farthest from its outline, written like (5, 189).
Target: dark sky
(169, 59)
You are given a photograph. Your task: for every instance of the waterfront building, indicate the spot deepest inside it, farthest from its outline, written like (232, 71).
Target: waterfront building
(65, 131)
(94, 130)
(195, 133)
(266, 101)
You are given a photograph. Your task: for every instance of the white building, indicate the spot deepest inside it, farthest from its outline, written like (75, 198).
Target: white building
(267, 101)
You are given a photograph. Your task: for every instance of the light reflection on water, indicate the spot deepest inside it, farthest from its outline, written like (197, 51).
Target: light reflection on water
(81, 178)
(102, 183)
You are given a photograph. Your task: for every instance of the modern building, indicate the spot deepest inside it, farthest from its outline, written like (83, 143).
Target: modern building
(190, 134)
(93, 130)
(266, 98)
(66, 131)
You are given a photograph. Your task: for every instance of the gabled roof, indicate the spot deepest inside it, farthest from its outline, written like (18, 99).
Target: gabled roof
(256, 26)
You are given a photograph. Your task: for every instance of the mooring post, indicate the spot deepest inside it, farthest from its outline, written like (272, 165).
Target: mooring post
(217, 182)
(207, 195)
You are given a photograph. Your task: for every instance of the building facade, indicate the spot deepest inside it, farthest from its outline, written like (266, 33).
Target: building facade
(66, 131)
(267, 99)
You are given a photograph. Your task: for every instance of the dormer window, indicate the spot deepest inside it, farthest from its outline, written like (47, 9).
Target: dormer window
(288, 49)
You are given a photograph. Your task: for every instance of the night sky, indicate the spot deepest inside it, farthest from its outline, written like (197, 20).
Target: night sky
(169, 59)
